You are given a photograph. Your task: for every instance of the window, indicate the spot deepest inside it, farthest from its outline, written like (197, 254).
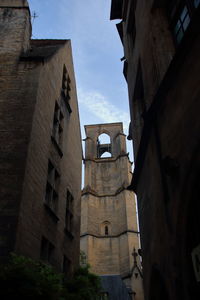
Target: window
(57, 131)
(69, 212)
(66, 89)
(66, 265)
(53, 181)
(180, 13)
(106, 230)
(47, 250)
(103, 146)
(181, 24)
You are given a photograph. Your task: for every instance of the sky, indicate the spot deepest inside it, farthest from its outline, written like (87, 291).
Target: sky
(97, 50)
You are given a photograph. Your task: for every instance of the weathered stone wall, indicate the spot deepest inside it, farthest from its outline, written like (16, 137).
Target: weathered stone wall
(165, 196)
(166, 146)
(104, 178)
(35, 221)
(118, 210)
(15, 28)
(30, 85)
(152, 33)
(18, 85)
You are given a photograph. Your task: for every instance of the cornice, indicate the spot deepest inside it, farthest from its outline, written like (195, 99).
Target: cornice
(109, 236)
(110, 159)
(89, 190)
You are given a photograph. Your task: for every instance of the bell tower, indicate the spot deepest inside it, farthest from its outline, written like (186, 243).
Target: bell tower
(109, 231)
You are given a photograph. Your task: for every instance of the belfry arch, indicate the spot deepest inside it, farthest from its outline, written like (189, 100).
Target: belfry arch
(104, 147)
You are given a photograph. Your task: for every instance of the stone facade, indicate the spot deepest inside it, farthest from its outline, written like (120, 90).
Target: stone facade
(109, 229)
(161, 65)
(41, 153)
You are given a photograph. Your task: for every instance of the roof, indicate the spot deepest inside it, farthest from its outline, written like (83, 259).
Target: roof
(42, 49)
(116, 9)
(115, 287)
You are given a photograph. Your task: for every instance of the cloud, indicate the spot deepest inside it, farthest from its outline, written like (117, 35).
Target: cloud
(99, 106)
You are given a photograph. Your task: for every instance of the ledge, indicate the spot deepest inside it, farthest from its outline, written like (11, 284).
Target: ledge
(56, 146)
(109, 236)
(111, 159)
(88, 190)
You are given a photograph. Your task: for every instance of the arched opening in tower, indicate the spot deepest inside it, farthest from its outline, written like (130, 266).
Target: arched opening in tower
(104, 146)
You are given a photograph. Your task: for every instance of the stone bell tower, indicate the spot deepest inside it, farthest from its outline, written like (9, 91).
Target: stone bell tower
(109, 231)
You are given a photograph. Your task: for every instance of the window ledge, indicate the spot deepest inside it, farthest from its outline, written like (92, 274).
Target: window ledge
(68, 233)
(68, 107)
(51, 212)
(57, 146)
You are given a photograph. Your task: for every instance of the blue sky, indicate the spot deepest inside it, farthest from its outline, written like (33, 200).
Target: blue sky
(101, 87)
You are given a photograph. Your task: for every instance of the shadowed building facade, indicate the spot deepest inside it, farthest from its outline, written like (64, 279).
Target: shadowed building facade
(161, 41)
(41, 153)
(109, 231)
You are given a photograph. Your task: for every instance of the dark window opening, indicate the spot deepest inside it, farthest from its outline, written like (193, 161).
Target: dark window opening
(53, 181)
(47, 250)
(69, 212)
(180, 14)
(66, 89)
(106, 230)
(58, 120)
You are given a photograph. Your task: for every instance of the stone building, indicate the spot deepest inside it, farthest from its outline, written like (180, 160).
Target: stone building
(40, 144)
(109, 231)
(162, 67)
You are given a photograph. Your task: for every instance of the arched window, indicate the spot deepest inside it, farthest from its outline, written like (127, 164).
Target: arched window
(105, 228)
(103, 146)
(104, 138)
